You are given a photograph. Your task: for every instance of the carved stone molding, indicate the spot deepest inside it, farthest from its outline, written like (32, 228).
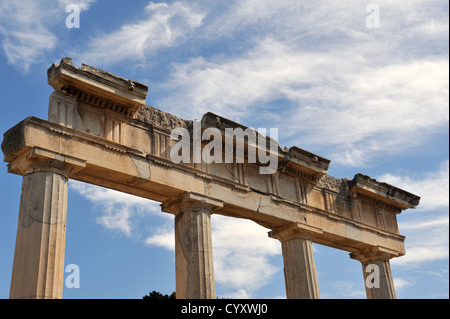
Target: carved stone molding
(375, 202)
(97, 101)
(376, 193)
(189, 201)
(284, 168)
(97, 87)
(295, 230)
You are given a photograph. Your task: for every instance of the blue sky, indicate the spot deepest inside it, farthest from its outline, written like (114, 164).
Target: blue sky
(372, 100)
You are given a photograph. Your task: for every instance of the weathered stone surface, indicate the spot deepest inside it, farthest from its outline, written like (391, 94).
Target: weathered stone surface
(97, 87)
(300, 269)
(157, 118)
(383, 192)
(298, 257)
(193, 245)
(100, 131)
(133, 88)
(14, 141)
(38, 270)
(377, 273)
(294, 161)
(334, 184)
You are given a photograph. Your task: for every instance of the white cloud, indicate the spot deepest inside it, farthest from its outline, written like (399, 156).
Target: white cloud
(432, 187)
(390, 109)
(242, 250)
(333, 99)
(427, 240)
(116, 218)
(163, 237)
(427, 228)
(238, 294)
(344, 290)
(320, 75)
(119, 211)
(236, 86)
(82, 4)
(331, 14)
(428, 252)
(400, 283)
(424, 224)
(26, 29)
(164, 25)
(25, 36)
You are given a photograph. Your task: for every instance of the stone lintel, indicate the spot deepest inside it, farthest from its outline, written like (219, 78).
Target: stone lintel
(375, 254)
(14, 142)
(295, 230)
(191, 200)
(366, 186)
(97, 87)
(111, 165)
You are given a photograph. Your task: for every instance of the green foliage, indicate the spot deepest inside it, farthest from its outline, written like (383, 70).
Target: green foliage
(157, 295)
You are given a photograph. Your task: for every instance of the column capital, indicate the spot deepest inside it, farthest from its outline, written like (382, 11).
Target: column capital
(41, 160)
(377, 272)
(193, 244)
(295, 230)
(191, 200)
(374, 254)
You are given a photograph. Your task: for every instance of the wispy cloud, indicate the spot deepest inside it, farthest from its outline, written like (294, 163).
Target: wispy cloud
(163, 237)
(321, 75)
(344, 290)
(353, 109)
(400, 283)
(433, 187)
(26, 29)
(82, 4)
(119, 212)
(242, 252)
(25, 36)
(164, 25)
(427, 230)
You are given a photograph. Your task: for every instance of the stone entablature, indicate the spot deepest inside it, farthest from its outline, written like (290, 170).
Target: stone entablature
(97, 87)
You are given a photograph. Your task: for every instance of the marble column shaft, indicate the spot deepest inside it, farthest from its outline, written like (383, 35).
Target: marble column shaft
(38, 268)
(378, 279)
(298, 257)
(193, 246)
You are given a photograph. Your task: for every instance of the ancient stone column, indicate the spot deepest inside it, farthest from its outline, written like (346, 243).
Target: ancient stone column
(193, 245)
(299, 266)
(377, 274)
(38, 268)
